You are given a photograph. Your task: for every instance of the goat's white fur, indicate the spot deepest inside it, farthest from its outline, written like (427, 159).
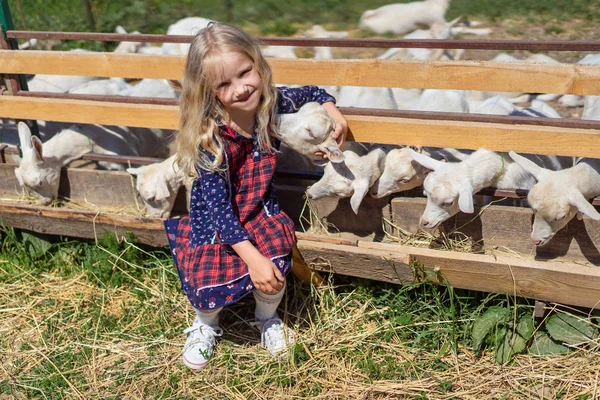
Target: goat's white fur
(158, 185)
(404, 17)
(559, 195)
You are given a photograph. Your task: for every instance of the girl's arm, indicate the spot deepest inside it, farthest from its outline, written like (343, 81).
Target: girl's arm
(341, 125)
(265, 275)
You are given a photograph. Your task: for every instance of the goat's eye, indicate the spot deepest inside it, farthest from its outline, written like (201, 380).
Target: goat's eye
(404, 179)
(560, 217)
(447, 203)
(308, 131)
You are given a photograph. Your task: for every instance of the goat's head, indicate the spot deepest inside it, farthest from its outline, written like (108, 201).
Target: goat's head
(401, 172)
(34, 173)
(156, 189)
(447, 191)
(340, 181)
(553, 200)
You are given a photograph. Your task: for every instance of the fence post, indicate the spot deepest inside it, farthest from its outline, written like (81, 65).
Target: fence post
(14, 83)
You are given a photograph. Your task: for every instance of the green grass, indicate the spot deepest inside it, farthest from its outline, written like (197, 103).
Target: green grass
(267, 17)
(105, 320)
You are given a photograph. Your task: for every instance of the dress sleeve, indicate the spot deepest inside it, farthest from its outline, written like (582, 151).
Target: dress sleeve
(215, 192)
(290, 100)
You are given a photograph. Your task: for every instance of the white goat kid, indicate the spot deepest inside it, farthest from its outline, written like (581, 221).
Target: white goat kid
(185, 26)
(39, 169)
(404, 18)
(450, 186)
(401, 172)
(559, 195)
(309, 131)
(351, 178)
(158, 185)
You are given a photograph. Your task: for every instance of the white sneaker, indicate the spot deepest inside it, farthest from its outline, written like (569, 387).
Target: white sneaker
(200, 344)
(275, 336)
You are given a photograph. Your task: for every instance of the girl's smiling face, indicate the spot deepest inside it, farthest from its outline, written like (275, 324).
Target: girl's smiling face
(240, 87)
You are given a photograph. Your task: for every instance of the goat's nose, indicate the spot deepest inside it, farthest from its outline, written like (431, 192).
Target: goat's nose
(537, 242)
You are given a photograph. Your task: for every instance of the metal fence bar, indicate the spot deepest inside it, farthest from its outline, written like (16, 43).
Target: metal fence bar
(472, 44)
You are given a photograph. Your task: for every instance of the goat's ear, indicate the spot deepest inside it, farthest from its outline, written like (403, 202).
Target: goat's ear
(25, 138)
(425, 161)
(120, 30)
(454, 21)
(162, 190)
(465, 199)
(176, 85)
(361, 187)
(38, 149)
(418, 149)
(134, 171)
(584, 206)
(334, 154)
(527, 165)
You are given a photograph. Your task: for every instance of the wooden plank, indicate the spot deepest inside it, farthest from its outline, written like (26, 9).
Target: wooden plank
(90, 112)
(386, 130)
(565, 283)
(507, 228)
(468, 75)
(473, 135)
(82, 224)
(98, 188)
(382, 265)
(337, 215)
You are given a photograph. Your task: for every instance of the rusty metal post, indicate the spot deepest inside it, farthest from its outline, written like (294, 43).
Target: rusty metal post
(14, 83)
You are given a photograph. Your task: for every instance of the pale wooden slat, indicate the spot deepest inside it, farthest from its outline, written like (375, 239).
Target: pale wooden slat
(92, 112)
(471, 75)
(386, 130)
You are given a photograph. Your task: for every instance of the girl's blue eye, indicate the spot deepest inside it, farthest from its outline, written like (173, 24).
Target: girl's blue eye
(223, 85)
(244, 72)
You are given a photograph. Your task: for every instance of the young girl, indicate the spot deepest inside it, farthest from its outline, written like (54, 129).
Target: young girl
(236, 240)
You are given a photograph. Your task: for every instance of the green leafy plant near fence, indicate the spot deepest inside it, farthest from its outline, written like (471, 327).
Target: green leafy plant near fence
(509, 331)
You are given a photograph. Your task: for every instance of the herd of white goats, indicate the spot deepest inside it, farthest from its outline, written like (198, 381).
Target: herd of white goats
(560, 187)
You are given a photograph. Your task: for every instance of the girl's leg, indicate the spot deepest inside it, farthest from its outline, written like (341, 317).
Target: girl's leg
(275, 336)
(201, 339)
(266, 304)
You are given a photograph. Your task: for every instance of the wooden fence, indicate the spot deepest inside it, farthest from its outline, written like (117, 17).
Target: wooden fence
(357, 251)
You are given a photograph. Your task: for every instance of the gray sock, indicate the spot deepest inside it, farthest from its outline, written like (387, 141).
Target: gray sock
(266, 304)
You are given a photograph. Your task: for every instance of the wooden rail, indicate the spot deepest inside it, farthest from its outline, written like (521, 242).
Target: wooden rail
(386, 130)
(468, 75)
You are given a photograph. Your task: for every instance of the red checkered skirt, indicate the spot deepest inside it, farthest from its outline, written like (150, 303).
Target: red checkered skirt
(216, 264)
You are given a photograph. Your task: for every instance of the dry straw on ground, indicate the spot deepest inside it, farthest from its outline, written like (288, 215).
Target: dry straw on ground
(55, 332)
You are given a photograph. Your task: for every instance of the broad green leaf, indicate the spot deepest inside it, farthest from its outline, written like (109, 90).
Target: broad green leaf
(512, 344)
(35, 244)
(569, 329)
(525, 326)
(543, 344)
(483, 325)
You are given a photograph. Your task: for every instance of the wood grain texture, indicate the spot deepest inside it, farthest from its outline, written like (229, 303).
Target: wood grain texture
(467, 75)
(385, 130)
(507, 228)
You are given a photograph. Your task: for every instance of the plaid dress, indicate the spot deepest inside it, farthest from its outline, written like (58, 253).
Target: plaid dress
(232, 206)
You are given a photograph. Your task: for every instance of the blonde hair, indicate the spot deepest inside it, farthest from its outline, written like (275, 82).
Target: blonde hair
(199, 106)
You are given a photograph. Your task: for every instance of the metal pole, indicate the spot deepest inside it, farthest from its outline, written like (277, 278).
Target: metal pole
(14, 83)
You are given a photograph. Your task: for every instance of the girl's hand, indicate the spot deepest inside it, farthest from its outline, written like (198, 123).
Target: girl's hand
(265, 275)
(341, 126)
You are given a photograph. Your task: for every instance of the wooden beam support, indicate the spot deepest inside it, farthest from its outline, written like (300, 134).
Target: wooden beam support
(386, 130)
(467, 75)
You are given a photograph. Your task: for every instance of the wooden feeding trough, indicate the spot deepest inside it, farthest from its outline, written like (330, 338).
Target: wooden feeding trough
(376, 243)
